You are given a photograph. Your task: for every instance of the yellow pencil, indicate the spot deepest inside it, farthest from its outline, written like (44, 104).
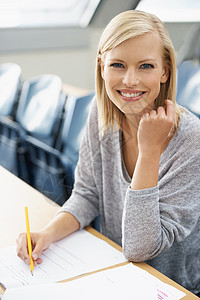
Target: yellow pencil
(29, 240)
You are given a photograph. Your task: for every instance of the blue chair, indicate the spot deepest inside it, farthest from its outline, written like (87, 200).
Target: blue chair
(9, 143)
(39, 114)
(46, 173)
(51, 169)
(40, 108)
(10, 85)
(77, 110)
(188, 72)
(188, 86)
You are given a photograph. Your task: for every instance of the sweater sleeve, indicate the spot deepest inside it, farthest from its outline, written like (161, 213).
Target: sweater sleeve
(155, 218)
(84, 203)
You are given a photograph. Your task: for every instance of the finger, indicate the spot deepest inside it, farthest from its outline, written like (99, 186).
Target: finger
(152, 113)
(170, 109)
(22, 250)
(144, 116)
(38, 261)
(37, 251)
(161, 111)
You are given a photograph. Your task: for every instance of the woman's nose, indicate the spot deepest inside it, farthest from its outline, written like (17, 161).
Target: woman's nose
(130, 78)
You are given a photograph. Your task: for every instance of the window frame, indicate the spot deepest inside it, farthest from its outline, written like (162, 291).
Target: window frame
(61, 36)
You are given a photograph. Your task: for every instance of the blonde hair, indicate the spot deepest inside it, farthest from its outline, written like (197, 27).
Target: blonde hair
(124, 26)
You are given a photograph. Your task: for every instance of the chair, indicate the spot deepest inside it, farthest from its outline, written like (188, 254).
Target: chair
(73, 129)
(188, 72)
(188, 92)
(52, 169)
(77, 110)
(10, 85)
(40, 108)
(9, 143)
(39, 114)
(46, 173)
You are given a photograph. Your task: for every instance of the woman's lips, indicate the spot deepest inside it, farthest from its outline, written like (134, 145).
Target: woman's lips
(131, 95)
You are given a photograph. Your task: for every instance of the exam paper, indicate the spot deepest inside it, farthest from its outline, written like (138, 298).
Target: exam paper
(79, 253)
(166, 291)
(118, 283)
(126, 282)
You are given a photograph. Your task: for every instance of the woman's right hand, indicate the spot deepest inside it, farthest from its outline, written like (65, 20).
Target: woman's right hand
(40, 241)
(61, 226)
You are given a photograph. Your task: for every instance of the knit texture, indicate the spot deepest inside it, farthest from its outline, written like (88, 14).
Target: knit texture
(160, 225)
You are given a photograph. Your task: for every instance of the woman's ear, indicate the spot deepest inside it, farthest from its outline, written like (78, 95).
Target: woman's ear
(165, 74)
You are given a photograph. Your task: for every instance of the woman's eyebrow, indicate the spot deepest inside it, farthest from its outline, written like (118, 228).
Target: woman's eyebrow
(148, 59)
(140, 61)
(115, 59)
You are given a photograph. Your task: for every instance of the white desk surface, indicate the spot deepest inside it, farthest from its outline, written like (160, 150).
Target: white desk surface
(16, 194)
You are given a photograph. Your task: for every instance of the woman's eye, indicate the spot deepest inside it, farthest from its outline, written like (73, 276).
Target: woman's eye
(147, 66)
(117, 65)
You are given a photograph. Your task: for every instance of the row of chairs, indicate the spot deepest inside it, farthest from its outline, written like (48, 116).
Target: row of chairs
(41, 129)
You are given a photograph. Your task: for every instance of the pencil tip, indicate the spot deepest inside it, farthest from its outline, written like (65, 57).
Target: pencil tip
(32, 273)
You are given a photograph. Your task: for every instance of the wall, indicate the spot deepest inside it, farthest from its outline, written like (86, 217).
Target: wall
(75, 66)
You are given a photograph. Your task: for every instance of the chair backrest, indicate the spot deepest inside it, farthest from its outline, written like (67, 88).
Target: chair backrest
(188, 86)
(77, 110)
(190, 49)
(45, 172)
(188, 71)
(10, 84)
(40, 106)
(9, 140)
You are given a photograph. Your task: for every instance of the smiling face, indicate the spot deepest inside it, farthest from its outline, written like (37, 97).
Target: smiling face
(133, 72)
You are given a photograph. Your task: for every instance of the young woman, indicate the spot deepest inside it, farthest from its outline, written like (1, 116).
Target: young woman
(139, 163)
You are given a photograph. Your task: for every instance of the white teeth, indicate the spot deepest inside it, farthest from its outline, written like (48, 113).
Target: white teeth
(131, 95)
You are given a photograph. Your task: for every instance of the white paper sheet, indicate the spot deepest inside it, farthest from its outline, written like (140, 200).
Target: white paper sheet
(166, 291)
(79, 253)
(126, 282)
(118, 283)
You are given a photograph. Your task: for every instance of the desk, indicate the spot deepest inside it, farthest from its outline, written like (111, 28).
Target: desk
(15, 195)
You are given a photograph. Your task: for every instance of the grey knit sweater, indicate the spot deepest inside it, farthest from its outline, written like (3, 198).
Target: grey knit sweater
(160, 225)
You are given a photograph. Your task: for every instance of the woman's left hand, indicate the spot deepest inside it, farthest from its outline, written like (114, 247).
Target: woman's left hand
(155, 126)
(153, 131)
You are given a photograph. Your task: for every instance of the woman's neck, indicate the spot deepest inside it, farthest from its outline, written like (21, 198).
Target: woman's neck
(130, 127)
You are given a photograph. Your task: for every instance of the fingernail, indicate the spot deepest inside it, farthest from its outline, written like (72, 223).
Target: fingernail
(27, 261)
(34, 256)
